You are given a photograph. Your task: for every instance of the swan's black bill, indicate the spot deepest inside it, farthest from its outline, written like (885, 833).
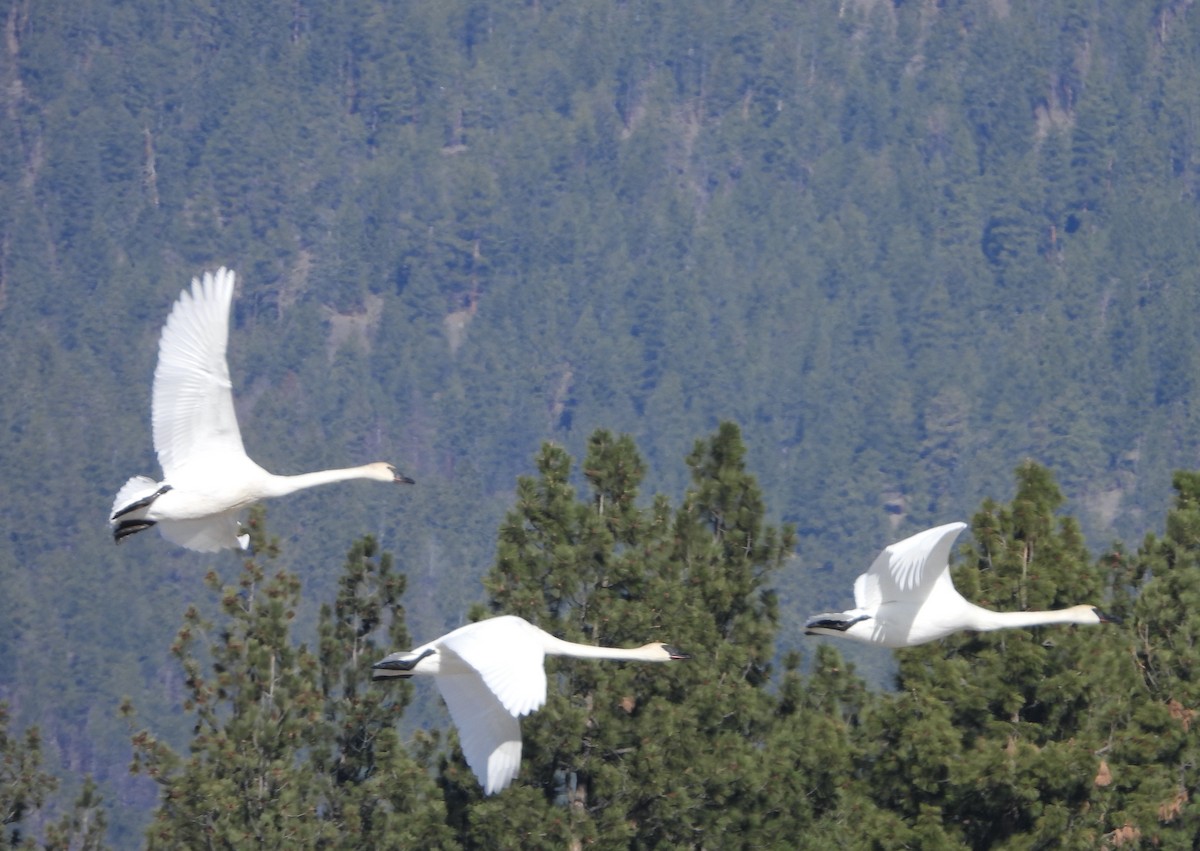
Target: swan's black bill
(675, 653)
(1106, 618)
(402, 479)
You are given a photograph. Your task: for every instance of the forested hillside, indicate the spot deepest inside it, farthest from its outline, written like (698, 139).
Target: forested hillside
(906, 247)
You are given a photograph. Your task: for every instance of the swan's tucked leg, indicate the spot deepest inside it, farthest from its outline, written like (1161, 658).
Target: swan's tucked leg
(402, 667)
(141, 503)
(130, 527)
(838, 622)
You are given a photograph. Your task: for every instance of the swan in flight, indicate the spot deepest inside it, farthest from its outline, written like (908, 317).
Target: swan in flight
(490, 673)
(907, 598)
(207, 476)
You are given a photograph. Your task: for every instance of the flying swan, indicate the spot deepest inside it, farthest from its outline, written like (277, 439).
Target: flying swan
(490, 673)
(207, 476)
(907, 598)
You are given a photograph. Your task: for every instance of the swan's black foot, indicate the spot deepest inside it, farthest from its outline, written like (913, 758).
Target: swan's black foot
(832, 622)
(141, 503)
(401, 666)
(130, 527)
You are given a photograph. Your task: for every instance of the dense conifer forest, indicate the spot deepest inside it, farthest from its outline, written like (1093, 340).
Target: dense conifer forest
(677, 314)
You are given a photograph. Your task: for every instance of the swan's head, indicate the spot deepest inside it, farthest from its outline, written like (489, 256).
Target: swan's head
(1087, 614)
(1100, 616)
(385, 472)
(659, 652)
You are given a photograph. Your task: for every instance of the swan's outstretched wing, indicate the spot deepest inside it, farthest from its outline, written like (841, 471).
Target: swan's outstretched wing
(489, 735)
(502, 677)
(908, 570)
(193, 399)
(509, 657)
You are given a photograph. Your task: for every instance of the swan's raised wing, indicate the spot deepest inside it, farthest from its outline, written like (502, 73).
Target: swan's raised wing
(193, 397)
(489, 735)
(867, 595)
(908, 570)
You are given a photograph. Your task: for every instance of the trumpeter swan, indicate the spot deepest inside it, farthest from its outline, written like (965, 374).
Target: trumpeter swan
(907, 598)
(207, 476)
(490, 673)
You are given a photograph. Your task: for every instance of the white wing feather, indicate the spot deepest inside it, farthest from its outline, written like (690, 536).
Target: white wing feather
(909, 570)
(507, 653)
(193, 399)
(489, 735)
(867, 595)
(207, 534)
(492, 673)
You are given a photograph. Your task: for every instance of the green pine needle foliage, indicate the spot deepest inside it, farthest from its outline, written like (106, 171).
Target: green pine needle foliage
(289, 748)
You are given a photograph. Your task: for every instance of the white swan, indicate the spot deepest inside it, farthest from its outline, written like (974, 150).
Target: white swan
(207, 476)
(490, 673)
(907, 598)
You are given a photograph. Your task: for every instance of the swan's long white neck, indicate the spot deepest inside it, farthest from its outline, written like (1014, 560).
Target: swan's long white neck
(986, 620)
(557, 647)
(284, 485)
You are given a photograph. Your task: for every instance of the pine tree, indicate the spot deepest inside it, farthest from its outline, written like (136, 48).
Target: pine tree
(997, 735)
(627, 755)
(815, 746)
(1155, 759)
(377, 795)
(25, 788)
(288, 751)
(84, 827)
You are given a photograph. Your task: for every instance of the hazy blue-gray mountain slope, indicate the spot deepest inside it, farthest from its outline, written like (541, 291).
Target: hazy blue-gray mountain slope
(904, 246)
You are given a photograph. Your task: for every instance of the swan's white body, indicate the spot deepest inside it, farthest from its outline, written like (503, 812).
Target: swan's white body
(207, 476)
(907, 598)
(491, 673)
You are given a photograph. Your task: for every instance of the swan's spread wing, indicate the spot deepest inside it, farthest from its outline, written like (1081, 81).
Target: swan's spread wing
(193, 400)
(206, 535)
(489, 735)
(908, 570)
(509, 657)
